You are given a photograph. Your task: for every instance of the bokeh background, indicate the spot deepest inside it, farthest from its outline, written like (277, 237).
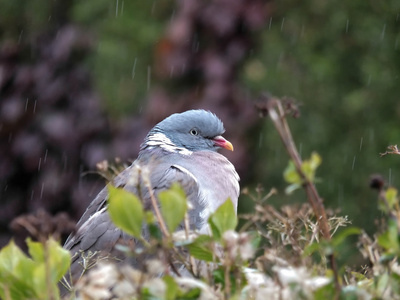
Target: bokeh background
(83, 81)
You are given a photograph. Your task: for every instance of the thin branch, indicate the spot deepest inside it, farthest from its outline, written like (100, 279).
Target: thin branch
(274, 109)
(393, 150)
(160, 219)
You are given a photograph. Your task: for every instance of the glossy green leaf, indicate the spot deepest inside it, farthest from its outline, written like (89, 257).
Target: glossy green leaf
(173, 206)
(16, 273)
(309, 167)
(340, 237)
(126, 211)
(389, 240)
(10, 256)
(32, 278)
(391, 197)
(172, 288)
(291, 188)
(200, 248)
(291, 175)
(223, 219)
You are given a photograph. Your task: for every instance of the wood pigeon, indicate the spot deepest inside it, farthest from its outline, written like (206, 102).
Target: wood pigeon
(182, 148)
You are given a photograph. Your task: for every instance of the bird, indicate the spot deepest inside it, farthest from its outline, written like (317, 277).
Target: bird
(183, 149)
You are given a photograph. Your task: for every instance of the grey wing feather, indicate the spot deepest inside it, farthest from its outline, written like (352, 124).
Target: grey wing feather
(96, 232)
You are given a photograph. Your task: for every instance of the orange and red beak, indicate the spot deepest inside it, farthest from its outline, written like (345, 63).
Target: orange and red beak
(223, 143)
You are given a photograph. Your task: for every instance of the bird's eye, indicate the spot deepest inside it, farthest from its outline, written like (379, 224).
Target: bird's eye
(193, 132)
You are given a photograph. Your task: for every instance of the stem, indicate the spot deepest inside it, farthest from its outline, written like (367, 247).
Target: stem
(273, 107)
(160, 219)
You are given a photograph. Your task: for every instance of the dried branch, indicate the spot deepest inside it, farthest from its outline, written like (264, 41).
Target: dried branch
(274, 109)
(393, 150)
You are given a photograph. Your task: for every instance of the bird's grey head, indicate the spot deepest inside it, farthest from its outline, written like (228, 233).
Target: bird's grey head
(192, 130)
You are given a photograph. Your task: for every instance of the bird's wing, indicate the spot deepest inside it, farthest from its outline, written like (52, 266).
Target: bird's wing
(96, 232)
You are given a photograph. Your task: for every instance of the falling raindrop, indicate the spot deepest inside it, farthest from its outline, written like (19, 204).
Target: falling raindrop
(361, 142)
(383, 32)
(152, 7)
(41, 191)
(116, 9)
(33, 193)
(172, 16)
(354, 161)
(195, 45)
(390, 176)
(122, 7)
(26, 104)
(270, 23)
(347, 25)
(260, 140)
(171, 72)
(283, 22)
(34, 107)
(20, 36)
(39, 164)
(45, 156)
(134, 68)
(80, 177)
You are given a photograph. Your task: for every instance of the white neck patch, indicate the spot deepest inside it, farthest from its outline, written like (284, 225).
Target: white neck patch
(160, 140)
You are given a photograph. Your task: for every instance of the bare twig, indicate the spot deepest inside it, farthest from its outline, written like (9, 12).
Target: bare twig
(274, 109)
(160, 219)
(393, 150)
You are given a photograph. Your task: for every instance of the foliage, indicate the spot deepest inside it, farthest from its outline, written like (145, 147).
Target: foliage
(127, 34)
(341, 61)
(126, 211)
(35, 277)
(309, 168)
(277, 254)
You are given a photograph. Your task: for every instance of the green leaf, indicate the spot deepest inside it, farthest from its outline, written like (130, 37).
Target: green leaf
(309, 167)
(291, 175)
(291, 188)
(16, 274)
(126, 211)
(10, 256)
(382, 283)
(389, 240)
(154, 229)
(391, 197)
(192, 294)
(314, 247)
(200, 248)
(172, 287)
(173, 206)
(255, 239)
(339, 238)
(58, 259)
(223, 219)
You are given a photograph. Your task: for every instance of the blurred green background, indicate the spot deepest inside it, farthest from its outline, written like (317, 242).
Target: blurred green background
(339, 60)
